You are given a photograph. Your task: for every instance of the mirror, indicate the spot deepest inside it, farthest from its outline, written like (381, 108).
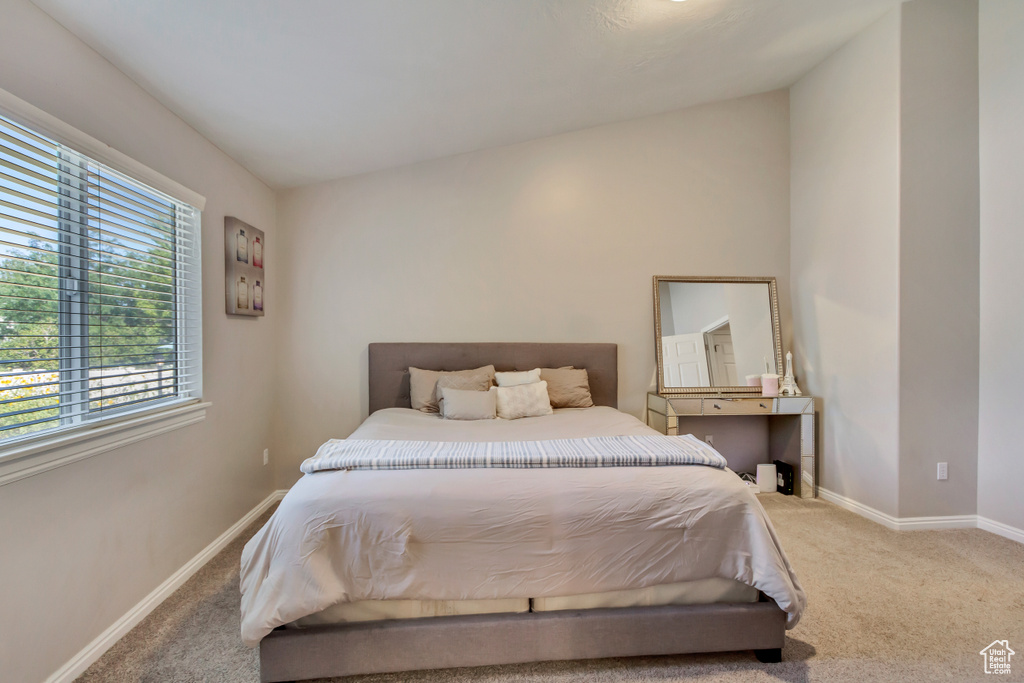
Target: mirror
(711, 333)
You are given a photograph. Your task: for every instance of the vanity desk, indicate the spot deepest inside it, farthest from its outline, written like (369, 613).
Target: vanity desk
(790, 426)
(717, 340)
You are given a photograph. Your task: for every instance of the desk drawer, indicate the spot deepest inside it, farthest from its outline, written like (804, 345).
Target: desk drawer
(737, 406)
(685, 406)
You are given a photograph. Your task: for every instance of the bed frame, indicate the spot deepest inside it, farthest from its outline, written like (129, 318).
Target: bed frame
(487, 639)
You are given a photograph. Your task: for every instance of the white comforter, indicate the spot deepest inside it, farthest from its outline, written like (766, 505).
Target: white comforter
(478, 534)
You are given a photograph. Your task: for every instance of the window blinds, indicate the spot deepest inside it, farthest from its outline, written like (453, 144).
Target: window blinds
(99, 289)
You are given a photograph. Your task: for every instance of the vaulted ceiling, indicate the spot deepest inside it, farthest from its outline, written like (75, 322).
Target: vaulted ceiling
(301, 91)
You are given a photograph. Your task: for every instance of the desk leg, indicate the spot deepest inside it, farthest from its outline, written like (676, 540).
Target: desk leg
(808, 458)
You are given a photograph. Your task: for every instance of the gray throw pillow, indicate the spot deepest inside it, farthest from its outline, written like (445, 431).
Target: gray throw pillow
(463, 404)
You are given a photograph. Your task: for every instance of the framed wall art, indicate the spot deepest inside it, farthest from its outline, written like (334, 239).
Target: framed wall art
(245, 279)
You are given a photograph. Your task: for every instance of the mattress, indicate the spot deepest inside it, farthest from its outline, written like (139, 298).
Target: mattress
(700, 592)
(552, 536)
(376, 610)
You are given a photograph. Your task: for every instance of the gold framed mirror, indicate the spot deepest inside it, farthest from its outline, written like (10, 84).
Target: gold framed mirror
(711, 333)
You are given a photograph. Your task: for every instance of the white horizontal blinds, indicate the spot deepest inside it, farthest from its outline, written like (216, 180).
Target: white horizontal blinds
(136, 303)
(30, 279)
(98, 312)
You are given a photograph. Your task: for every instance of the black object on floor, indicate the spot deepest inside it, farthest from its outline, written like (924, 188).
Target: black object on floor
(784, 475)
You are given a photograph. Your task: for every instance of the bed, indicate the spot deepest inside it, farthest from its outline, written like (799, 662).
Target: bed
(367, 571)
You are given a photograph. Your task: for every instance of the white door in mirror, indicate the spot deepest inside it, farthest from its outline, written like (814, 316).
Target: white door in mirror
(686, 364)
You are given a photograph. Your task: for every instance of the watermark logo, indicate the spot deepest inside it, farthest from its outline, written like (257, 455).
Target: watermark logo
(997, 657)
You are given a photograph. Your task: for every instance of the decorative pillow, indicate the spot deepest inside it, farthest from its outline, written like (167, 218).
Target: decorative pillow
(474, 381)
(523, 400)
(512, 379)
(477, 381)
(423, 385)
(568, 387)
(462, 404)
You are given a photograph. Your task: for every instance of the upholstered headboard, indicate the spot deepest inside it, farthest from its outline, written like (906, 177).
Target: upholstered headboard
(389, 365)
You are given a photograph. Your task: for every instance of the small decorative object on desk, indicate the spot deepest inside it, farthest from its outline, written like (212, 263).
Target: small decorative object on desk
(769, 382)
(789, 387)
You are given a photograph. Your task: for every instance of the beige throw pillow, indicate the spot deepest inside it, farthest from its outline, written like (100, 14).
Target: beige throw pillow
(423, 385)
(512, 379)
(568, 387)
(523, 400)
(460, 404)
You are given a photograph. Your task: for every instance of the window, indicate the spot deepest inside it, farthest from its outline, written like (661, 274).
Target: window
(99, 290)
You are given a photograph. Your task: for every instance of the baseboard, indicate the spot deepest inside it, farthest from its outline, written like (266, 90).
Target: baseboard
(932, 523)
(94, 650)
(850, 504)
(1004, 530)
(900, 523)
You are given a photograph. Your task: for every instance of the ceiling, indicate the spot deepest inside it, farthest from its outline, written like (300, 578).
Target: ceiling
(301, 91)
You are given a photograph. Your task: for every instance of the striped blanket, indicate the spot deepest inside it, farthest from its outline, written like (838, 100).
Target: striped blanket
(599, 451)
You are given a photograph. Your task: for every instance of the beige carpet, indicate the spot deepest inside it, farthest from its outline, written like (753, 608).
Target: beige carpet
(883, 606)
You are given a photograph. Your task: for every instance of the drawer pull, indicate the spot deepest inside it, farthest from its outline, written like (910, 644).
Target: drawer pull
(717, 407)
(763, 406)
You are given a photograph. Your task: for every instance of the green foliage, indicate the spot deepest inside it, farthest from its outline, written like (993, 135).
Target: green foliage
(129, 297)
(29, 340)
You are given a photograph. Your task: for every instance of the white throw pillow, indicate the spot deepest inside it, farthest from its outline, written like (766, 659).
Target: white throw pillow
(513, 379)
(466, 404)
(523, 400)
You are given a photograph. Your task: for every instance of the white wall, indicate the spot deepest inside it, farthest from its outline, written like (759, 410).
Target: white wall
(551, 240)
(844, 255)
(1001, 431)
(82, 544)
(694, 306)
(938, 268)
(884, 249)
(750, 321)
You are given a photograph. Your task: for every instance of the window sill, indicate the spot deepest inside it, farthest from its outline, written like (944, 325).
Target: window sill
(27, 459)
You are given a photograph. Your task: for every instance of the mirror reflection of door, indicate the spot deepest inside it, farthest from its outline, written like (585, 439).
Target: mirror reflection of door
(721, 355)
(685, 361)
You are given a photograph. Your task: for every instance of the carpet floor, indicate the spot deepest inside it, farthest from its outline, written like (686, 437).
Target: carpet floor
(882, 606)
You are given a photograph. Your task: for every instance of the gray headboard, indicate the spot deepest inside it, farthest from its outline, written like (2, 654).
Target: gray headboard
(389, 365)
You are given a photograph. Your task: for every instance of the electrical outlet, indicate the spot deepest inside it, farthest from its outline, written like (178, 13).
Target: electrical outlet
(266, 456)
(709, 439)
(943, 472)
